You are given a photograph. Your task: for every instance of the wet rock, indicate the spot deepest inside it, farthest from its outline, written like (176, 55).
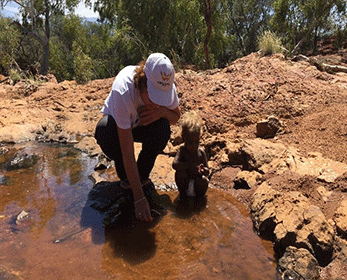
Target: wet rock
(88, 145)
(6, 274)
(298, 264)
(3, 150)
(167, 187)
(341, 219)
(21, 216)
(246, 179)
(290, 220)
(3, 180)
(103, 164)
(117, 204)
(269, 127)
(21, 160)
(18, 133)
(96, 177)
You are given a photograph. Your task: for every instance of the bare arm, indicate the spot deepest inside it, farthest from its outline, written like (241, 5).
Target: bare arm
(126, 140)
(204, 170)
(151, 113)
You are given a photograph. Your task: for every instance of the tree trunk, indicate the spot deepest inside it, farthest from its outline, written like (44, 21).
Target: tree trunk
(310, 28)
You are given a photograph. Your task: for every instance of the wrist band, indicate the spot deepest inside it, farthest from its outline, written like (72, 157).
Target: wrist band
(140, 200)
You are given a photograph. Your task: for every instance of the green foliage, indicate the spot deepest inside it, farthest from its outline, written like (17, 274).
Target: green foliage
(82, 65)
(15, 76)
(269, 43)
(9, 43)
(130, 30)
(245, 21)
(61, 60)
(294, 20)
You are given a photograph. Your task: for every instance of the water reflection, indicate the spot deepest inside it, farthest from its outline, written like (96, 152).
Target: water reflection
(64, 237)
(46, 189)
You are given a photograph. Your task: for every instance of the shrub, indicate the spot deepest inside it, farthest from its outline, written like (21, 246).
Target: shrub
(269, 43)
(82, 64)
(15, 76)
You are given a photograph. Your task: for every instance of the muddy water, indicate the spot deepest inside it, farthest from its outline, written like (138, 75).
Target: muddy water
(62, 238)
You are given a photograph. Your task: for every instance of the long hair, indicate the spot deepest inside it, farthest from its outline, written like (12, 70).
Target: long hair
(140, 79)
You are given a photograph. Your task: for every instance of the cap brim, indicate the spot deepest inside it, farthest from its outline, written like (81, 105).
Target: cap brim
(159, 97)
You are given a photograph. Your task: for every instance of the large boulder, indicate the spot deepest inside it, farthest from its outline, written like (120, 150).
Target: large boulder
(289, 219)
(265, 156)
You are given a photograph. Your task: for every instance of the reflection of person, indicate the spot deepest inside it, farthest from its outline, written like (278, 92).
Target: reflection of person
(190, 161)
(140, 108)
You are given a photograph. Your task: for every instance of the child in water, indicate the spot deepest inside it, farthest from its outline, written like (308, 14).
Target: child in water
(190, 161)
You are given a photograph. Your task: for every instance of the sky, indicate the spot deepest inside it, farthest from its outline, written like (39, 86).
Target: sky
(11, 10)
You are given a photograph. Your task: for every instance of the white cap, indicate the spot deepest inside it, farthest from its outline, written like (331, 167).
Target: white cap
(160, 75)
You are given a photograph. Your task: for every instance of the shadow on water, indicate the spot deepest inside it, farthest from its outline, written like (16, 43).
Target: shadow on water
(95, 235)
(109, 212)
(188, 206)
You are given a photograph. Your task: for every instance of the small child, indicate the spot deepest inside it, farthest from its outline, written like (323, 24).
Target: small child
(190, 161)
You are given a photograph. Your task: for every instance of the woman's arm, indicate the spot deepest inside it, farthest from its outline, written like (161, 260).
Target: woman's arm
(126, 140)
(171, 115)
(151, 113)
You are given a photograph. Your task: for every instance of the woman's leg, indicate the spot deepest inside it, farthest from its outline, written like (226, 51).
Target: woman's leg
(154, 138)
(106, 135)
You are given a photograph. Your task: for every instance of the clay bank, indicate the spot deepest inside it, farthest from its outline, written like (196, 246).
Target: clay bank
(276, 141)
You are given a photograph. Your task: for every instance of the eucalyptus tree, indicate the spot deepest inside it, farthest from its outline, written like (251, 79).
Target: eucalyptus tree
(183, 29)
(9, 42)
(296, 21)
(36, 16)
(246, 20)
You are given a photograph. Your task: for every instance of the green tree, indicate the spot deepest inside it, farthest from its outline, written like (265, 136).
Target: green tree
(36, 16)
(183, 28)
(246, 20)
(9, 43)
(298, 21)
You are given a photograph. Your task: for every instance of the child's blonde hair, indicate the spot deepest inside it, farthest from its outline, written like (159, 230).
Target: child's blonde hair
(191, 123)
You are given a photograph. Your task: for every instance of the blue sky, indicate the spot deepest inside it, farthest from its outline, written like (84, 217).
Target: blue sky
(11, 10)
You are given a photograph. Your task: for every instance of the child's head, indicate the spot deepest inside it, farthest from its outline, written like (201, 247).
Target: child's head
(191, 125)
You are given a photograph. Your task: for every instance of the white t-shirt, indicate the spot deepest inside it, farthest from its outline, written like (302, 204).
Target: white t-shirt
(124, 100)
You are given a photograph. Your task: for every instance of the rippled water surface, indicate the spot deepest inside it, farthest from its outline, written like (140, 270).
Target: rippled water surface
(60, 237)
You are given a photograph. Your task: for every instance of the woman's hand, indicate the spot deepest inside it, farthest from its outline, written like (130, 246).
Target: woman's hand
(150, 113)
(142, 210)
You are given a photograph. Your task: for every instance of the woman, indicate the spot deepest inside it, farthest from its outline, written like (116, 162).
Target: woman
(141, 106)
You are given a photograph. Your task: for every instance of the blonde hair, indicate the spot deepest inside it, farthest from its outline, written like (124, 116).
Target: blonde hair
(191, 123)
(140, 79)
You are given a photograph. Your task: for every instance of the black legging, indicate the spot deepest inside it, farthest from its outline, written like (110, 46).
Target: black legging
(153, 137)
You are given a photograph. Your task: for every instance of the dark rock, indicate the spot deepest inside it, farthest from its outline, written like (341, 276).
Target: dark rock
(269, 127)
(21, 160)
(298, 264)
